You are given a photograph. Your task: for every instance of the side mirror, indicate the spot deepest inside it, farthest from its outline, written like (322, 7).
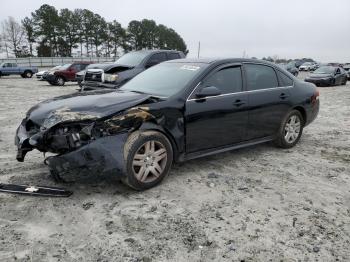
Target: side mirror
(151, 63)
(208, 91)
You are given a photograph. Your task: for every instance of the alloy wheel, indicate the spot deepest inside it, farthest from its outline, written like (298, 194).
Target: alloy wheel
(149, 161)
(292, 129)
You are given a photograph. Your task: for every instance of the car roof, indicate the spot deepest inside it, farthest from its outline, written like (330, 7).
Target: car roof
(219, 61)
(152, 51)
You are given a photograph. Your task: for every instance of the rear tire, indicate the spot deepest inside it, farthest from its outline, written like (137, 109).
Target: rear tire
(290, 130)
(345, 80)
(28, 74)
(148, 157)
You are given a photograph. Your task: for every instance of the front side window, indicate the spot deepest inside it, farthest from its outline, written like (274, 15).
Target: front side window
(260, 77)
(227, 80)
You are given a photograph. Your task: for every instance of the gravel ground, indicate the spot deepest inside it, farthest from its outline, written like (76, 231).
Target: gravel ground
(252, 204)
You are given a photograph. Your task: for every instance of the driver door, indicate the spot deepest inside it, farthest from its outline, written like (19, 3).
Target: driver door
(220, 120)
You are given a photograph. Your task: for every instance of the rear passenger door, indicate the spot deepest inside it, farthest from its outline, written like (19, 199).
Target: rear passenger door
(268, 98)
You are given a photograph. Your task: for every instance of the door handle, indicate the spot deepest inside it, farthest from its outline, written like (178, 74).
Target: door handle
(239, 102)
(284, 96)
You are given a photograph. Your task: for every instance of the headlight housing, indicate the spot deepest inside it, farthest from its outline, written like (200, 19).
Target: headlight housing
(110, 77)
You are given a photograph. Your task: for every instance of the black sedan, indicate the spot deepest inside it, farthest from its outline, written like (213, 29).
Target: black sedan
(328, 76)
(175, 111)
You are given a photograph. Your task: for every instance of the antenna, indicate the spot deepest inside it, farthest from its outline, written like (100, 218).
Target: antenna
(199, 48)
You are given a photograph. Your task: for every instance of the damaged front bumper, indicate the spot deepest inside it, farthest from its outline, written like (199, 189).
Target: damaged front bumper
(22, 142)
(105, 154)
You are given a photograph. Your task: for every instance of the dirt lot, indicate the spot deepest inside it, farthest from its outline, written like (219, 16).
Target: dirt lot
(253, 204)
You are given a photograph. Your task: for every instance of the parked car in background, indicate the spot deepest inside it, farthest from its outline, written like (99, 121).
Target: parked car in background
(7, 69)
(308, 66)
(347, 69)
(291, 68)
(79, 77)
(328, 76)
(126, 67)
(175, 111)
(41, 74)
(65, 73)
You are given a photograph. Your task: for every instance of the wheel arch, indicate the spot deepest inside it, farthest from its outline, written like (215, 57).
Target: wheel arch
(150, 126)
(302, 112)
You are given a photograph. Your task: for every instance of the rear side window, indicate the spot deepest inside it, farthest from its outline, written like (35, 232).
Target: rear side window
(260, 77)
(284, 79)
(83, 66)
(227, 80)
(172, 56)
(158, 58)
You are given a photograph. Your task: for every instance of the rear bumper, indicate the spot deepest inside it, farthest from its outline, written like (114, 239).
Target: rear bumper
(312, 112)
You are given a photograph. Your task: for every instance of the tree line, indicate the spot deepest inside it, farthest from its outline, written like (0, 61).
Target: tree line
(51, 32)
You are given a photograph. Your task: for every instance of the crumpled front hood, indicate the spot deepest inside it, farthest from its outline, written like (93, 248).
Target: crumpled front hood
(320, 75)
(85, 105)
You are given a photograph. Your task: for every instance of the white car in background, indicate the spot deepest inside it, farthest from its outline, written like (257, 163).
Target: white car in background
(40, 75)
(308, 66)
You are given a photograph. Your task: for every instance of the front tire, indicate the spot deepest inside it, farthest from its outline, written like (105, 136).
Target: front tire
(290, 130)
(60, 81)
(148, 156)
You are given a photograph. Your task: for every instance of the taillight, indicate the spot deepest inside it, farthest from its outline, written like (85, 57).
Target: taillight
(315, 97)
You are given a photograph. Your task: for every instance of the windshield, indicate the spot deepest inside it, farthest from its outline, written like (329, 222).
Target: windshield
(131, 59)
(165, 79)
(307, 63)
(324, 70)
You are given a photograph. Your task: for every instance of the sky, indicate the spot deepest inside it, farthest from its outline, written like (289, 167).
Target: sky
(319, 29)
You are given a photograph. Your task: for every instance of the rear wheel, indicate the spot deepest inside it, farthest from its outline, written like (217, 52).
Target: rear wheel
(290, 130)
(148, 157)
(60, 81)
(28, 74)
(345, 80)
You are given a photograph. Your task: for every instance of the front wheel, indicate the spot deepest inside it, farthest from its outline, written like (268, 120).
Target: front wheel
(148, 157)
(290, 130)
(60, 81)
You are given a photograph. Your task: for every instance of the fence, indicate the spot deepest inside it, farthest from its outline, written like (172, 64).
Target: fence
(53, 61)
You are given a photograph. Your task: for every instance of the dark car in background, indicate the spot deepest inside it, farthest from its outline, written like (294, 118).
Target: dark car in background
(175, 111)
(328, 76)
(65, 73)
(126, 67)
(291, 68)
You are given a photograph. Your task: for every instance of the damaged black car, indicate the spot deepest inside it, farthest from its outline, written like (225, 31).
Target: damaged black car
(125, 68)
(175, 111)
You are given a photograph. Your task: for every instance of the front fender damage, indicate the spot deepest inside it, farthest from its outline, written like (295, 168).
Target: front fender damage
(105, 150)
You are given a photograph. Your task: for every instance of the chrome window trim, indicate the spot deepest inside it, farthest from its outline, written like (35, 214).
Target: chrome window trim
(241, 92)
